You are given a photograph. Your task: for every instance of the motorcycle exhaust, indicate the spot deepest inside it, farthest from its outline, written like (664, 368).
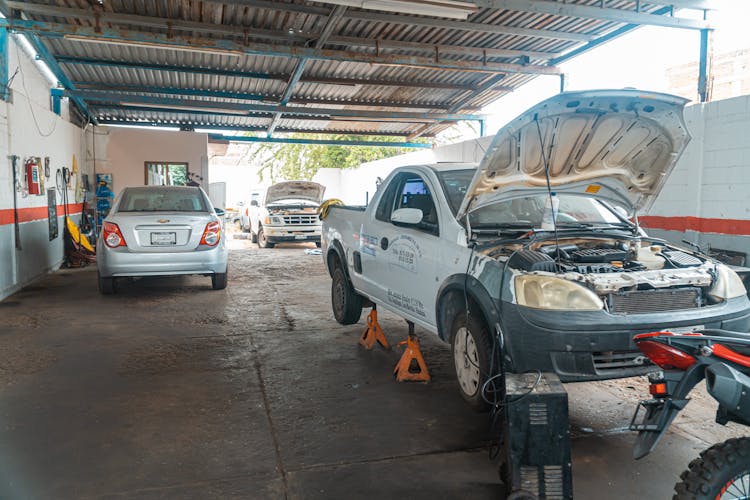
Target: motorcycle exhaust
(729, 387)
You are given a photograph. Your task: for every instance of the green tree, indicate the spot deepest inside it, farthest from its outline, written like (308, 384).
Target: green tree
(302, 161)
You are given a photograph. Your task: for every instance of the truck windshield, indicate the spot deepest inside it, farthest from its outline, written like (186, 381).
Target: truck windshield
(574, 210)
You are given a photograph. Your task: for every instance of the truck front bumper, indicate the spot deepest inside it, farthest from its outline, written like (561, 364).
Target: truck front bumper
(277, 234)
(596, 345)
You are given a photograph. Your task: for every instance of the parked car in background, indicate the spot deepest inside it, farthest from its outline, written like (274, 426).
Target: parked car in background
(162, 231)
(470, 252)
(286, 211)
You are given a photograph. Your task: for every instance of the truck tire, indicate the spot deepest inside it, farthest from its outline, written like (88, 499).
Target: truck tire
(106, 285)
(262, 240)
(724, 468)
(345, 302)
(471, 345)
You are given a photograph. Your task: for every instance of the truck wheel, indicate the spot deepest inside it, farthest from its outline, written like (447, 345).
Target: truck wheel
(262, 240)
(472, 347)
(345, 302)
(106, 285)
(722, 471)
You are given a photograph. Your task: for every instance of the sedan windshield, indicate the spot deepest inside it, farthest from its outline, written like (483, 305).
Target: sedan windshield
(162, 199)
(526, 212)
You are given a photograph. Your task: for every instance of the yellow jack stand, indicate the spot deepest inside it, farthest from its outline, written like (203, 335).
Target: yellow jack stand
(403, 371)
(373, 334)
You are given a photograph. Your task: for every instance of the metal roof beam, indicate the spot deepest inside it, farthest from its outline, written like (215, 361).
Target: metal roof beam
(252, 108)
(110, 110)
(349, 82)
(327, 142)
(222, 46)
(600, 13)
(106, 87)
(299, 68)
(467, 26)
(257, 128)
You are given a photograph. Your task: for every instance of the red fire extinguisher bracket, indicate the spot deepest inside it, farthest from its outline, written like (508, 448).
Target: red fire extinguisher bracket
(32, 176)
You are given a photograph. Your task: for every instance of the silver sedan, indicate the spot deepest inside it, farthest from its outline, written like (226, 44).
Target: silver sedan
(162, 231)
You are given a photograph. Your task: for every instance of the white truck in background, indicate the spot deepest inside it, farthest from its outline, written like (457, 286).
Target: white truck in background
(284, 212)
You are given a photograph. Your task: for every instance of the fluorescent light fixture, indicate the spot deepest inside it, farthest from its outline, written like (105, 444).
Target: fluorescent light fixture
(145, 127)
(451, 9)
(155, 45)
(40, 64)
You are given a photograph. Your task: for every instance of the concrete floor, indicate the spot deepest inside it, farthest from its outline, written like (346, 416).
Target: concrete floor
(172, 390)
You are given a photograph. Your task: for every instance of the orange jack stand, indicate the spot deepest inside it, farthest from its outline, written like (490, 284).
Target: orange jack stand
(373, 334)
(403, 370)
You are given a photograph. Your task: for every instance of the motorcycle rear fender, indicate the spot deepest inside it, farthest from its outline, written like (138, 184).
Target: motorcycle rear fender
(661, 412)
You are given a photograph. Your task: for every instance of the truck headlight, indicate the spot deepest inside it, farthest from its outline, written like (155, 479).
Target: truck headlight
(727, 284)
(276, 221)
(546, 292)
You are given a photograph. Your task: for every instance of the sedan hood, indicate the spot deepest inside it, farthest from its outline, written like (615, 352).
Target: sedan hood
(615, 145)
(295, 190)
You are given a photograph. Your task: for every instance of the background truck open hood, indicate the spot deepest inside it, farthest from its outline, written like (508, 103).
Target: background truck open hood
(295, 190)
(615, 145)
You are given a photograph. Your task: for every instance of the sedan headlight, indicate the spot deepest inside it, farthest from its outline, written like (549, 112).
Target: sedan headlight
(727, 284)
(547, 292)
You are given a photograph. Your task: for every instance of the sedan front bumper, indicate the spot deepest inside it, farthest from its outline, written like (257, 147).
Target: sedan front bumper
(596, 345)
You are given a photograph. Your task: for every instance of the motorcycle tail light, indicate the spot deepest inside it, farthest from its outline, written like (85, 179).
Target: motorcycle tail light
(658, 389)
(666, 356)
(113, 238)
(212, 234)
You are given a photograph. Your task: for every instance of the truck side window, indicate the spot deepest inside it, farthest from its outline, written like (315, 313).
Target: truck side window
(415, 193)
(385, 207)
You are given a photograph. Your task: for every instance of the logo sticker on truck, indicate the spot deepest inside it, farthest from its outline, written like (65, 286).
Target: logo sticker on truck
(404, 253)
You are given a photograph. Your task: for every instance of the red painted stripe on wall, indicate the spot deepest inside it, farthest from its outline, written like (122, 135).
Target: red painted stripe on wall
(736, 227)
(36, 213)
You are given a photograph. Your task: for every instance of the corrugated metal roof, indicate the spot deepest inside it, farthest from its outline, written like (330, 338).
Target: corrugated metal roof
(134, 62)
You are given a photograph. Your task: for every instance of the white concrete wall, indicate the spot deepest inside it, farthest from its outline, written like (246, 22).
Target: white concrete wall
(706, 199)
(123, 152)
(354, 186)
(29, 128)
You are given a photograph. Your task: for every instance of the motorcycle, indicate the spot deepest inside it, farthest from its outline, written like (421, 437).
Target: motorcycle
(722, 358)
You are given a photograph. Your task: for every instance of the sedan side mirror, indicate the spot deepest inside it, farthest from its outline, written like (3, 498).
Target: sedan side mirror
(407, 216)
(219, 212)
(254, 203)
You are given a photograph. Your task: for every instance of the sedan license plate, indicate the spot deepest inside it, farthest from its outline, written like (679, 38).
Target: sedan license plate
(163, 239)
(299, 236)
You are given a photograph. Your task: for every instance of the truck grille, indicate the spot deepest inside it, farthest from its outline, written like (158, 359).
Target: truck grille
(610, 361)
(300, 219)
(650, 301)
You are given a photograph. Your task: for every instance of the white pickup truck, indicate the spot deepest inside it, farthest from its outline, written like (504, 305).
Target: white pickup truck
(467, 251)
(285, 212)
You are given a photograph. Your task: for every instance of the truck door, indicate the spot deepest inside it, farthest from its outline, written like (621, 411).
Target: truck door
(400, 262)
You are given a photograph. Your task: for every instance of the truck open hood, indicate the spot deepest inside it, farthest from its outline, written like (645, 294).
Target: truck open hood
(295, 190)
(614, 145)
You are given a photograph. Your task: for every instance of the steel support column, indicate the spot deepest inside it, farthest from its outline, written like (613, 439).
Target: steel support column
(703, 93)
(4, 88)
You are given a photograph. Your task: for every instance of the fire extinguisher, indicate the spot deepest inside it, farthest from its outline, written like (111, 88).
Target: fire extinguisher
(32, 176)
